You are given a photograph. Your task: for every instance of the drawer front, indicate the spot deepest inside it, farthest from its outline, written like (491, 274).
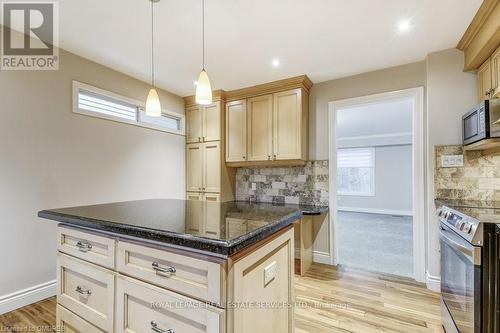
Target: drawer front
(86, 289)
(193, 277)
(90, 247)
(142, 308)
(68, 322)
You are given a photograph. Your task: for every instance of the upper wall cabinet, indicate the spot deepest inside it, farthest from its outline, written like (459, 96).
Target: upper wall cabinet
(289, 126)
(260, 128)
(488, 77)
(276, 129)
(203, 123)
(236, 129)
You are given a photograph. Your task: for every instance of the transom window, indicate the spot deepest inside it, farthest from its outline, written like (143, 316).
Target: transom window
(92, 101)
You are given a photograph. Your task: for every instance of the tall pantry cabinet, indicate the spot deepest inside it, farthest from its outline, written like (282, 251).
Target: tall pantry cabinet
(207, 177)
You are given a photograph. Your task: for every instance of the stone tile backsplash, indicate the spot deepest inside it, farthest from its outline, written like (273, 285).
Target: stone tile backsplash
(478, 179)
(307, 185)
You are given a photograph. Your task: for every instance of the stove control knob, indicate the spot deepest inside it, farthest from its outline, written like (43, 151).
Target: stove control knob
(468, 227)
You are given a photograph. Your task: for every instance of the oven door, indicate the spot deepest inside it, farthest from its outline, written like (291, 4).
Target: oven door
(460, 281)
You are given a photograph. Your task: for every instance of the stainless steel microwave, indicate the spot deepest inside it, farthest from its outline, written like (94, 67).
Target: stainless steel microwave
(482, 122)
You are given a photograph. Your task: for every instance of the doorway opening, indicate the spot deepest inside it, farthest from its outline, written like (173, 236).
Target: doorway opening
(376, 187)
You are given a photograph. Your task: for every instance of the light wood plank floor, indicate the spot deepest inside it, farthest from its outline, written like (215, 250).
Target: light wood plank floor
(329, 300)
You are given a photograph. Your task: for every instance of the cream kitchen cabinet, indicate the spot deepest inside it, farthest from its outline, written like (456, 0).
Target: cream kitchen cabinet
(203, 167)
(488, 77)
(484, 80)
(276, 127)
(289, 126)
(260, 128)
(203, 123)
(236, 129)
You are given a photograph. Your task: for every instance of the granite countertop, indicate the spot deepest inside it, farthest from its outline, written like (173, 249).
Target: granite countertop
(220, 228)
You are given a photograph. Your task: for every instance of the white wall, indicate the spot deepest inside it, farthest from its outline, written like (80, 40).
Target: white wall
(393, 183)
(450, 94)
(51, 157)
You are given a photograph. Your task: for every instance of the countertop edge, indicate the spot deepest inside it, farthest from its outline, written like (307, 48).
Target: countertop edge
(225, 248)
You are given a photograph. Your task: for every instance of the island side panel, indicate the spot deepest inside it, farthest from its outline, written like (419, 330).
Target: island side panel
(257, 303)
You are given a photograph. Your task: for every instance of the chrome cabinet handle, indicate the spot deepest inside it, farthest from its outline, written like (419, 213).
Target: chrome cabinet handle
(155, 328)
(83, 291)
(160, 269)
(83, 246)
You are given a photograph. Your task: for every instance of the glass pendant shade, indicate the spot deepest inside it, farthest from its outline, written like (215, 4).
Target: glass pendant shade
(203, 89)
(153, 106)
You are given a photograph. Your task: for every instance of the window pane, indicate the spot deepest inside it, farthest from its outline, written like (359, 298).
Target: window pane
(355, 171)
(106, 105)
(165, 121)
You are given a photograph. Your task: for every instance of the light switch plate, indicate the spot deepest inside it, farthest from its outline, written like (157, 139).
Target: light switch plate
(452, 161)
(270, 272)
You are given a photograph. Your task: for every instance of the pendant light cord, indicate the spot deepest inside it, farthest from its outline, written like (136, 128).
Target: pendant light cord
(152, 46)
(203, 31)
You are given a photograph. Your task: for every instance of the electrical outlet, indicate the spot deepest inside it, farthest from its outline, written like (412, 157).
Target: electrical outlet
(254, 186)
(452, 161)
(270, 273)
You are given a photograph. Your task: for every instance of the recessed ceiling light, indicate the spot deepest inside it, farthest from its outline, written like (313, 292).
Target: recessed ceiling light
(404, 25)
(276, 63)
(195, 82)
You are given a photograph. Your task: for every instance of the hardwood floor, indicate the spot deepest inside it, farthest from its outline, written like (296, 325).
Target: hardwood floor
(329, 300)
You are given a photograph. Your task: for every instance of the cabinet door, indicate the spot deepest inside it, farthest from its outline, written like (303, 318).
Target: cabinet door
(212, 215)
(484, 80)
(260, 128)
(495, 72)
(194, 167)
(211, 122)
(196, 196)
(287, 125)
(211, 167)
(194, 121)
(236, 131)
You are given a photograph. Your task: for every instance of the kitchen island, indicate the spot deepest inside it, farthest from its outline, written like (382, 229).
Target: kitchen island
(170, 266)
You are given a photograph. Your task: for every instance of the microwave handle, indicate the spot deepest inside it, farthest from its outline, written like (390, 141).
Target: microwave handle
(472, 253)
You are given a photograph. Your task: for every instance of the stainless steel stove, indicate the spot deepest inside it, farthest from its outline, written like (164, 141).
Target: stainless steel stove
(470, 267)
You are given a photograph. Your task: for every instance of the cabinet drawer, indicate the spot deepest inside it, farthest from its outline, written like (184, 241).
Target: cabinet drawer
(69, 322)
(90, 247)
(193, 277)
(141, 307)
(86, 289)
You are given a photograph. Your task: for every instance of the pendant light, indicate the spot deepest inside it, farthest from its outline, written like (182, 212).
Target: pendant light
(153, 106)
(203, 88)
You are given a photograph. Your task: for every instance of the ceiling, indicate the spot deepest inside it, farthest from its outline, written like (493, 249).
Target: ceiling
(389, 117)
(324, 39)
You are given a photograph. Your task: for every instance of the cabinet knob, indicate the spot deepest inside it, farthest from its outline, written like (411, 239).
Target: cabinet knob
(199, 139)
(268, 157)
(244, 157)
(274, 157)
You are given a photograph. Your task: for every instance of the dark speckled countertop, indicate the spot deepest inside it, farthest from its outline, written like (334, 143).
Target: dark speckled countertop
(219, 228)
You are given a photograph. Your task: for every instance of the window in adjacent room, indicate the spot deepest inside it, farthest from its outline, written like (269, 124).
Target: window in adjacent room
(92, 101)
(356, 171)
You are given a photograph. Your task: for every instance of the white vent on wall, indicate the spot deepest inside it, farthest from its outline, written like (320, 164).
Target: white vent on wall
(92, 101)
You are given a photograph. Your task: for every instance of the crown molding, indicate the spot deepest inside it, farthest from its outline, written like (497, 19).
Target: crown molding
(482, 36)
(301, 81)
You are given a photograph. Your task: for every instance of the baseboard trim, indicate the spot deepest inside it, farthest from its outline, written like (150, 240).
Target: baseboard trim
(376, 211)
(321, 257)
(433, 282)
(27, 296)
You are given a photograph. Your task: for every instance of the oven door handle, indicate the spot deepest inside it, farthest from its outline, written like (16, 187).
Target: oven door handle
(472, 253)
